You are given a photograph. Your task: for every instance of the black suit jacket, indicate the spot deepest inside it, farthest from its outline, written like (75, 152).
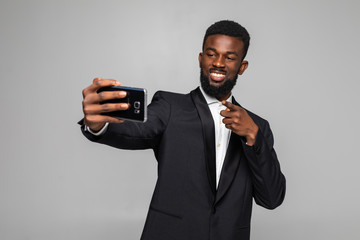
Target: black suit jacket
(186, 204)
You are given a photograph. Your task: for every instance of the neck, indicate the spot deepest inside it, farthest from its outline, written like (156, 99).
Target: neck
(226, 96)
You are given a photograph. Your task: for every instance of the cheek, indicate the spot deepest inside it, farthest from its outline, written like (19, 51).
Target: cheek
(204, 65)
(235, 69)
(201, 63)
(206, 61)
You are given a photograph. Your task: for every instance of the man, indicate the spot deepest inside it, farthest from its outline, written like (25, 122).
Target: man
(213, 156)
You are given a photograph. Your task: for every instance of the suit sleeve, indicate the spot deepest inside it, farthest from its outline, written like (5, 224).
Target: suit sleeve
(268, 180)
(133, 135)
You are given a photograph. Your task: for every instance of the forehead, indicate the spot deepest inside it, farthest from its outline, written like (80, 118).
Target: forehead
(224, 43)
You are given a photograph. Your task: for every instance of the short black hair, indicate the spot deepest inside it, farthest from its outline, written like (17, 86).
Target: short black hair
(229, 28)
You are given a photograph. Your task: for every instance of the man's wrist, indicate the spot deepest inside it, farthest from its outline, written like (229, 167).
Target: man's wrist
(97, 133)
(251, 137)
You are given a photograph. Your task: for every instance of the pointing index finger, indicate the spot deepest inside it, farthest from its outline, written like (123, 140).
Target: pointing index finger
(229, 105)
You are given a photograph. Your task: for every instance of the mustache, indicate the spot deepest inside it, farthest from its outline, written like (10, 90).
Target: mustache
(217, 70)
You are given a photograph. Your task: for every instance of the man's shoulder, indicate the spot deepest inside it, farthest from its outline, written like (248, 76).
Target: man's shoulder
(171, 97)
(262, 123)
(168, 94)
(255, 117)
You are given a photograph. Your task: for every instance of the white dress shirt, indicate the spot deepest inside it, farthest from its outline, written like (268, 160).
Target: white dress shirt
(222, 134)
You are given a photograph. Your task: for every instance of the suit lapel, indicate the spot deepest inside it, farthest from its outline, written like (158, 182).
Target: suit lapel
(231, 163)
(208, 130)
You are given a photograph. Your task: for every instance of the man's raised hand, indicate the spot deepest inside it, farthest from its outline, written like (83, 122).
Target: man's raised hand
(238, 120)
(92, 108)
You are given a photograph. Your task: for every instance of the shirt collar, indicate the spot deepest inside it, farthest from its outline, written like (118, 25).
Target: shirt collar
(210, 100)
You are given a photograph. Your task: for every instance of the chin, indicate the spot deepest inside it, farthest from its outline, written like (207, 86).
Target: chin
(216, 89)
(216, 84)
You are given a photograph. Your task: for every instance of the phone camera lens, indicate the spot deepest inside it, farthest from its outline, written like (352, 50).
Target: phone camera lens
(137, 105)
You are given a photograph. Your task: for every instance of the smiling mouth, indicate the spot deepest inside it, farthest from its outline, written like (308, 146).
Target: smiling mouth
(217, 76)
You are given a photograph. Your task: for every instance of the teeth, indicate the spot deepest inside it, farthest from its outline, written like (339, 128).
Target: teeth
(217, 74)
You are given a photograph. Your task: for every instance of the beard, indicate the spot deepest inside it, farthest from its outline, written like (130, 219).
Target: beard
(217, 92)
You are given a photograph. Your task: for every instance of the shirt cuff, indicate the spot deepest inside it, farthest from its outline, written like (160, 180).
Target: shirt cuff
(99, 133)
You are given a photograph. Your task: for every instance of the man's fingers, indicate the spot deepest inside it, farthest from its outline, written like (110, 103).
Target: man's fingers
(227, 120)
(228, 105)
(107, 95)
(104, 83)
(95, 109)
(234, 121)
(226, 113)
(110, 107)
(231, 106)
(96, 79)
(99, 83)
(94, 98)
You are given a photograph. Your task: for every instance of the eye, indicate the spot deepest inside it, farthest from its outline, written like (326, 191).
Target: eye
(230, 58)
(210, 54)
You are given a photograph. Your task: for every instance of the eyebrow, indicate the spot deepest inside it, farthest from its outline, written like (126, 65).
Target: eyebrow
(228, 52)
(210, 48)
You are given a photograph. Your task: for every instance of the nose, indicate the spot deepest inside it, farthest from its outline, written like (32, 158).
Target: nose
(219, 62)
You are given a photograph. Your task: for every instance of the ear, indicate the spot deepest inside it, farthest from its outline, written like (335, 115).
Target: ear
(200, 58)
(243, 67)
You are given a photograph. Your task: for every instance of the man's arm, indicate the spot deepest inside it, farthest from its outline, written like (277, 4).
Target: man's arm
(268, 180)
(135, 135)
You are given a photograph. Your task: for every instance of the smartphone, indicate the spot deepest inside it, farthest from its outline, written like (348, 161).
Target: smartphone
(135, 97)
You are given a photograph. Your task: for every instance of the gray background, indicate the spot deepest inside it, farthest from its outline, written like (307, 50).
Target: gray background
(303, 77)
